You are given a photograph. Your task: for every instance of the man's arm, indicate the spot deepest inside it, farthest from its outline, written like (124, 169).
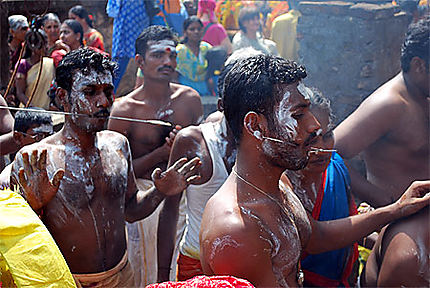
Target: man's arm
(21, 85)
(375, 117)
(336, 234)
(141, 204)
(185, 145)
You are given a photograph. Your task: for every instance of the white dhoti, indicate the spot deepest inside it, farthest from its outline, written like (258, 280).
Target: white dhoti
(142, 242)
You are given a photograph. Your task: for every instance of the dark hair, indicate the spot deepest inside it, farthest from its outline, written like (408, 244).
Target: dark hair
(76, 28)
(320, 101)
(80, 11)
(416, 44)
(247, 13)
(188, 22)
(84, 60)
(252, 85)
(50, 17)
(153, 33)
(35, 39)
(25, 120)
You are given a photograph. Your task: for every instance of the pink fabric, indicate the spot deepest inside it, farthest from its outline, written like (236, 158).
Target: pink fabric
(215, 34)
(206, 282)
(207, 7)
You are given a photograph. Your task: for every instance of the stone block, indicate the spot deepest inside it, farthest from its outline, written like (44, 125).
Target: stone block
(373, 11)
(328, 7)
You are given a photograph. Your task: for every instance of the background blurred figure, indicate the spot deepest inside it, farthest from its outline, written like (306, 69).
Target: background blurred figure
(130, 19)
(324, 188)
(191, 62)
(249, 34)
(18, 26)
(71, 38)
(213, 32)
(92, 37)
(35, 71)
(284, 33)
(51, 25)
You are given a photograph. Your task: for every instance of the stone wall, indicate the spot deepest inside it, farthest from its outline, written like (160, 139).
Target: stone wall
(350, 49)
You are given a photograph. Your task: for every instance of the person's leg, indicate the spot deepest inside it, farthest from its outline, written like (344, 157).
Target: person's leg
(122, 66)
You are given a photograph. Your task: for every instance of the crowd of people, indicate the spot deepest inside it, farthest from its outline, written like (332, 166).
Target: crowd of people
(144, 189)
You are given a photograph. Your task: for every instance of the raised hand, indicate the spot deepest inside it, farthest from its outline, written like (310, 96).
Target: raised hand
(33, 178)
(416, 197)
(175, 179)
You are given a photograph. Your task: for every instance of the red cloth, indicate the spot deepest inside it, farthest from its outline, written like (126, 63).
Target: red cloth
(188, 267)
(206, 282)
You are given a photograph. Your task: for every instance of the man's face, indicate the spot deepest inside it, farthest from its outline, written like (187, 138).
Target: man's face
(159, 62)
(91, 94)
(295, 125)
(318, 162)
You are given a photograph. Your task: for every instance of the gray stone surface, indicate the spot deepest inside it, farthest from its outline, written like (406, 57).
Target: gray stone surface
(350, 49)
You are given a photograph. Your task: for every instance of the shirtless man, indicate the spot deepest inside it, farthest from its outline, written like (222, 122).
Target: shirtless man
(159, 99)
(400, 257)
(391, 127)
(6, 132)
(81, 180)
(252, 230)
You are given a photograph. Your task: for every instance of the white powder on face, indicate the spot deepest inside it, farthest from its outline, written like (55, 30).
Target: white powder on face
(305, 91)
(162, 45)
(283, 115)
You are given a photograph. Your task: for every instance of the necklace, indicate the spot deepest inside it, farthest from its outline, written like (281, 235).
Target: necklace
(300, 275)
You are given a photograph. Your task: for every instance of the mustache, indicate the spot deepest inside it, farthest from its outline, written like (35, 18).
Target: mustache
(166, 67)
(311, 138)
(102, 113)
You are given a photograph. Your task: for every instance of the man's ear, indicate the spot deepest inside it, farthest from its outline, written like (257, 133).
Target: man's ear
(418, 65)
(139, 60)
(61, 95)
(254, 124)
(17, 136)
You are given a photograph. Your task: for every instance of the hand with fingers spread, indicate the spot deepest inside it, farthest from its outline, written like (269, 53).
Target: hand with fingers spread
(34, 181)
(177, 177)
(172, 135)
(416, 197)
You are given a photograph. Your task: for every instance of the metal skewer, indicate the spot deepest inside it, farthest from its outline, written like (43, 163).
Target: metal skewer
(320, 150)
(148, 121)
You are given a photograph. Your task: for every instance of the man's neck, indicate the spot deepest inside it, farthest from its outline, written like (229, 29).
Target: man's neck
(77, 136)
(413, 90)
(252, 165)
(155, 92)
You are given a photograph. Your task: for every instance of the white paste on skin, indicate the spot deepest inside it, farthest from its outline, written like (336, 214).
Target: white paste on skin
(305, 91)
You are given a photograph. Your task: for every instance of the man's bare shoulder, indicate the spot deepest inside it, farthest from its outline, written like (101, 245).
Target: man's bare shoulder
(188, 135)
(184, 92)
(392, 94)
(227, 236)
(125, 103)
(112, 138)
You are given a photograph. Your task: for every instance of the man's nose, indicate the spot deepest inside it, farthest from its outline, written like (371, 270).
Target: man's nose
(313, 124)
(102, 100)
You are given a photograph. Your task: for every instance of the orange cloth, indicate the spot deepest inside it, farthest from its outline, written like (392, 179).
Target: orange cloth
(188, 267)
(119, 276)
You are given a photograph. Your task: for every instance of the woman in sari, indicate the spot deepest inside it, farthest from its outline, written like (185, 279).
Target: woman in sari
(92, 37)
(51, 26)
(35, 72)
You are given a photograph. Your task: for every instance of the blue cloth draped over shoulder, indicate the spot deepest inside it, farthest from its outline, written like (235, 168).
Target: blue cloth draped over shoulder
(335, 205)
